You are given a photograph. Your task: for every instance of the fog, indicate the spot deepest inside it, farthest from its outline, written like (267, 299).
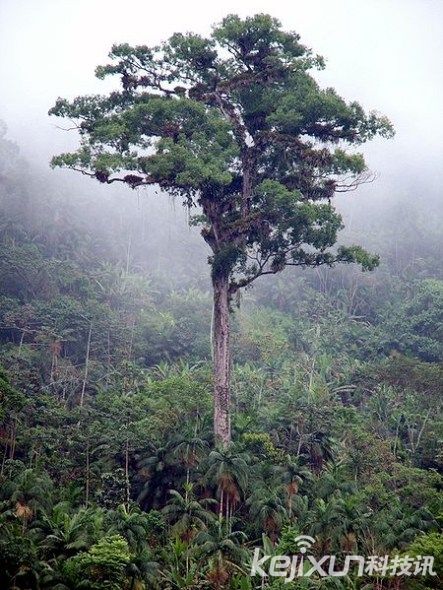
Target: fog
(384, 53)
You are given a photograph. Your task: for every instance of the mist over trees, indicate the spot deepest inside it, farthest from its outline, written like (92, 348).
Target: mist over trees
(235, 125)
(109, 473)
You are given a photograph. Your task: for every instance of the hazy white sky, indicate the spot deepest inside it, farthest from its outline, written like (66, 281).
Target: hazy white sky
(388, 54)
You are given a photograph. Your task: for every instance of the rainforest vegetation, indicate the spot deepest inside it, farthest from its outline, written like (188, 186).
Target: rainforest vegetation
(113, 473)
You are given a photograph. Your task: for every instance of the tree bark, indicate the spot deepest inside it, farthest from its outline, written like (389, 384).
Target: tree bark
(85, 376)
(127, 482)
(87, 475)
(222, 361)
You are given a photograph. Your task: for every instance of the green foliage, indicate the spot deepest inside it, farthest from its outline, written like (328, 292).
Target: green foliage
(11, 400)
(429, 544)
(237, 126)
(260, 444)
(337, 389)
(415, 326)
(103, 566)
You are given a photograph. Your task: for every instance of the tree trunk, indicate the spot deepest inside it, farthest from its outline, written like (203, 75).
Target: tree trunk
(127, 482)
(85, 376)
(87, 475)
(221, 353)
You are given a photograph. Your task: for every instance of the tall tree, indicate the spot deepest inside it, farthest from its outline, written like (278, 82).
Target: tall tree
(236, 126)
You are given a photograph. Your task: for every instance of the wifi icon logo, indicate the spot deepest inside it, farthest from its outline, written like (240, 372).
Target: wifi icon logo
(304, 542)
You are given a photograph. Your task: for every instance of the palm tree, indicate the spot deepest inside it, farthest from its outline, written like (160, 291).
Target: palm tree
(334, 478)
(353, 521)
(18, 554)
(187, 515)
(319, 449)
(190, 450)
(395, 527)
(228, 470)
(160, 472)
(31, 493)
(292, 475)
(326, 522)
(143, 568)
(268, 510)
(222, 550)
(66, 534)
(131, 523)
(178, 571)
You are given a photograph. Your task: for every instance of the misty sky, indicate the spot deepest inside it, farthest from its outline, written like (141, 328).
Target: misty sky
(387, 54)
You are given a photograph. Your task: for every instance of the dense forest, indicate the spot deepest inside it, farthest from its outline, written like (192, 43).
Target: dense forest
(110, 476)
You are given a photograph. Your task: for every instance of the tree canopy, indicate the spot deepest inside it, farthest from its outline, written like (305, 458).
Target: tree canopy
(236, 125)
